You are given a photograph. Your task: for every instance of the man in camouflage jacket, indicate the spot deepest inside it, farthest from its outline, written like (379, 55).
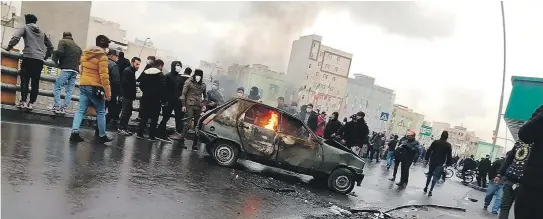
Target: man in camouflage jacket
(193, 98)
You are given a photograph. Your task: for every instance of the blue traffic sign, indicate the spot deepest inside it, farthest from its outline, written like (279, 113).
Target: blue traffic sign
(384, 116)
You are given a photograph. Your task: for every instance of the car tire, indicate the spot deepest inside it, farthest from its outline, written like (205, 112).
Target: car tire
(341, 180)
(225, 153)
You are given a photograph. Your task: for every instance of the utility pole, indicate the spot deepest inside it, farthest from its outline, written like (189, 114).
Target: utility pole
(503, 79)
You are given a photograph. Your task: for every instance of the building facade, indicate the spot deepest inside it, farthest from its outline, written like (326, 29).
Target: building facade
(404, 119)
(57, 17)
(99, 26)
(362, 94)
(319, 73)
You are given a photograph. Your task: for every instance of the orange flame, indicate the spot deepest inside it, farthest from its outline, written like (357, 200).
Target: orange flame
(273, 121)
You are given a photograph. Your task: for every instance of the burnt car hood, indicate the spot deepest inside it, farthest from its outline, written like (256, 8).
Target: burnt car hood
(336, 144)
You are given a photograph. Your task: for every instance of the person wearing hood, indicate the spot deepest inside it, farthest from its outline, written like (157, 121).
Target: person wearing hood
(332, 127)
(174, 83)
(113, 105)
(152, 85)
(94, 88)
(254, 95)
(67, 57)
(439, 154)
(355, 132)
(37, 48)
(123, 63)
(409, 148)
(128, 83)
(321, 123)
(149, 62)
(214, 96)
(529, 201)
(193, 99)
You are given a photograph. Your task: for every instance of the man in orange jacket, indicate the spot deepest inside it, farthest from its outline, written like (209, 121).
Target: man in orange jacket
(94, 88)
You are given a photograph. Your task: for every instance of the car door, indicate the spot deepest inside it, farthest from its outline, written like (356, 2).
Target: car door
(298, 148)
(257, 128)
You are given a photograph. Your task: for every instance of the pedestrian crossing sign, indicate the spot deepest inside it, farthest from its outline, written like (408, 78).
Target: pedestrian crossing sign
(384, 116)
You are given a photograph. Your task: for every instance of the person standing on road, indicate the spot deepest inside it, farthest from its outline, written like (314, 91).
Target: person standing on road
(194, 98)
(149, 62)
(332, 127)
(378, 143)
(510, 174)
(355, 132)
(310, 117)
(37, 48)
(281, 104)
(67, 57)
(113, 105)
(484, 166)
(152, 85)
(174, 85)
(215, 97)
(254, 94)
(469, 164)
(530, 193)
(391, 147)
(94, 88)
(410, 146)
(321, 123)
(494, 188)
(123, 63)
(128, 83)
(439, 154)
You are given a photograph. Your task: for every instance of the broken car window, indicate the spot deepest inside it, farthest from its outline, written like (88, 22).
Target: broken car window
(293, 127)
(263, 117)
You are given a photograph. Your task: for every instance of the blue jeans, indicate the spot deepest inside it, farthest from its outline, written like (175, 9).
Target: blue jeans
(67, 80)
(390, 156)
(86, 99)
(494, 190)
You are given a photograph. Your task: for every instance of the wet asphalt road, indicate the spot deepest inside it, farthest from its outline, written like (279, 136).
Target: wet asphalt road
(45, 176)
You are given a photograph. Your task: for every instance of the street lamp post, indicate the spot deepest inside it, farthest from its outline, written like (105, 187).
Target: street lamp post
(143, 46)
(503, 79)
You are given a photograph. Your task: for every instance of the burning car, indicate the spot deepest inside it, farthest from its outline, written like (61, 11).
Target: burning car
(243, 128)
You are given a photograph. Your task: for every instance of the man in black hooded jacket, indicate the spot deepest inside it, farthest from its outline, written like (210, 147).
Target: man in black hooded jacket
(174, 85)
(152, 84)
(439, 153)
(355, 132)
(254, 95)
(529, 198)
(332, 127)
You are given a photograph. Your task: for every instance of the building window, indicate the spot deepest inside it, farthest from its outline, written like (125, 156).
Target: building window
(306, 76)
(322, 53)
(317, 73)
(338, 58)
(327, 66)
(334, 79)
(314, 44)
(320, 63)
(303, 97)
(309, 65)
(311, 54)
(336, 69)
(325, 76)
(329, 56)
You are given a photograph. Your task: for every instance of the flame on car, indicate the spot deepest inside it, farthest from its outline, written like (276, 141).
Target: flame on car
(272, 121)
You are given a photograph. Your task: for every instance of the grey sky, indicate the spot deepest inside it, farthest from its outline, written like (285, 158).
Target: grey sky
(444, 59)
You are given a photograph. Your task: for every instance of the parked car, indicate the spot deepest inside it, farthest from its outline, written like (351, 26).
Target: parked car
(258, 132)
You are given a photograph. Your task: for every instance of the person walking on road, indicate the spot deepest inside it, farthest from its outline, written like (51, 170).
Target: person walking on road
(128, 83)
(484, 166)
(378, 144)
(530, 193)
(123, 63)
(410, 146)
(37, 48)
(152, 85)
(194, 99)
(94, 88)
(494, 187)
(67, 57)
(174, 85)
(113, 106)
(510, 174)
(390, 151)
(439, 154)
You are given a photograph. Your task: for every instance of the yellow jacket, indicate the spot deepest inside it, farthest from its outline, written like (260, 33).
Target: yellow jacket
(94, 69)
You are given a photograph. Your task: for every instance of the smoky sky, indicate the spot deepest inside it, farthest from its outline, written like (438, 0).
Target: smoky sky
(270, 27)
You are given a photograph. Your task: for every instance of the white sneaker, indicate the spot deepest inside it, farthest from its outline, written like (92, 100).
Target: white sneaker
(30, 106)
(21, 104)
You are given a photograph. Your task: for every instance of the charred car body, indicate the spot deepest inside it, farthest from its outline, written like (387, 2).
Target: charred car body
(258, 132)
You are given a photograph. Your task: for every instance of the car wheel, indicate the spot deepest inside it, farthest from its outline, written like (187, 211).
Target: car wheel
(341, 181)
(225, 154)
(449, 174)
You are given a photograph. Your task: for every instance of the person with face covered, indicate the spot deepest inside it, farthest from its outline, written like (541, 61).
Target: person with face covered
(355, 132)
(194, 101)
(174, 84)
(310, 117)
(332, 127)
(215, 97)
(254, 95)
(409, 148)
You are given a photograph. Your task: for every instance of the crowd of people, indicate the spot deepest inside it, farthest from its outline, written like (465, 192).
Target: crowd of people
(108, 81)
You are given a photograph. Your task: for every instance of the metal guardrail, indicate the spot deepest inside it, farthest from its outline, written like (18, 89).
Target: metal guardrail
(14, 72)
